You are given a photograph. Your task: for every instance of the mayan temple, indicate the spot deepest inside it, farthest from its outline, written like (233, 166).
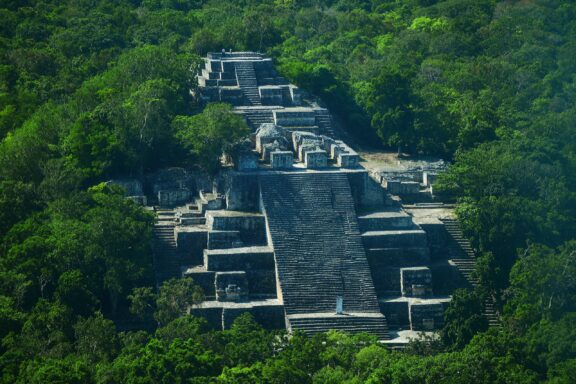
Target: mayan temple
(296, 231)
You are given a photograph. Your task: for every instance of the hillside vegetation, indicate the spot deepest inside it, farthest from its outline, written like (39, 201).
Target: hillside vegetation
(91, 90)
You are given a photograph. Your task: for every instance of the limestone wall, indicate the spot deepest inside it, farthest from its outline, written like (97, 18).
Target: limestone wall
(366, 192)
(270, 316)
(204, 279)
(242, 192)
(397, 313)
(191, 242)
(213, 316)
(173, 197)
(446, 278)
(398, 257)
(386, 281)
(261, 282)
(132, 187)
(281, 159)
(395, 239)
(251, 227)
(437, 239)
(426, 316)
(247, 259)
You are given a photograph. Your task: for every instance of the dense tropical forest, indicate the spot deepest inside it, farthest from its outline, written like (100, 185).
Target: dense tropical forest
(91, 90)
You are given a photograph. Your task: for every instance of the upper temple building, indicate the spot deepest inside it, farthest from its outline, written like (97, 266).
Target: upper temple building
(295, 231)
(248, 81)
(245, 79)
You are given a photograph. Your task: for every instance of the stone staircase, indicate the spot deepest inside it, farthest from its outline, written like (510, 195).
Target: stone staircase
(318, 250)
(325, 123)
(350, 323)
(257, 116)
(191, 216)
(246, 77)
(464, 259)
(461, 252)
(166, 257)
(204, 278)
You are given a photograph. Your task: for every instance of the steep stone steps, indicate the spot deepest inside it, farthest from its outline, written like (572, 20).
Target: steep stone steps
(464, 258)
(166, 256)
(462, 248)
(317, 244)
(164, 214)
(491, 313)
(246, 77)
(207, 202)
(190, 216)
(314, 323)
(325, 123)
(257, 116)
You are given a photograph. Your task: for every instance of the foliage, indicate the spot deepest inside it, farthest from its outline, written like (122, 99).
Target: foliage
(96, 338)
(515, 192)
(78, 255)
(209, 133)
(543, 284)
(175, 297)
(91, 90)
(464, 318)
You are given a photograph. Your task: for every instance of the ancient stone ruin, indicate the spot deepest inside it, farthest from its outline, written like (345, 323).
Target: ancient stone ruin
(297, 232)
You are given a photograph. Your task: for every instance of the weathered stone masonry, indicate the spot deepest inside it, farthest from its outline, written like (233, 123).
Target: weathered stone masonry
(298, 224)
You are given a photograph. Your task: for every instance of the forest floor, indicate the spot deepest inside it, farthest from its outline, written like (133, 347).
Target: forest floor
(389, 161)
